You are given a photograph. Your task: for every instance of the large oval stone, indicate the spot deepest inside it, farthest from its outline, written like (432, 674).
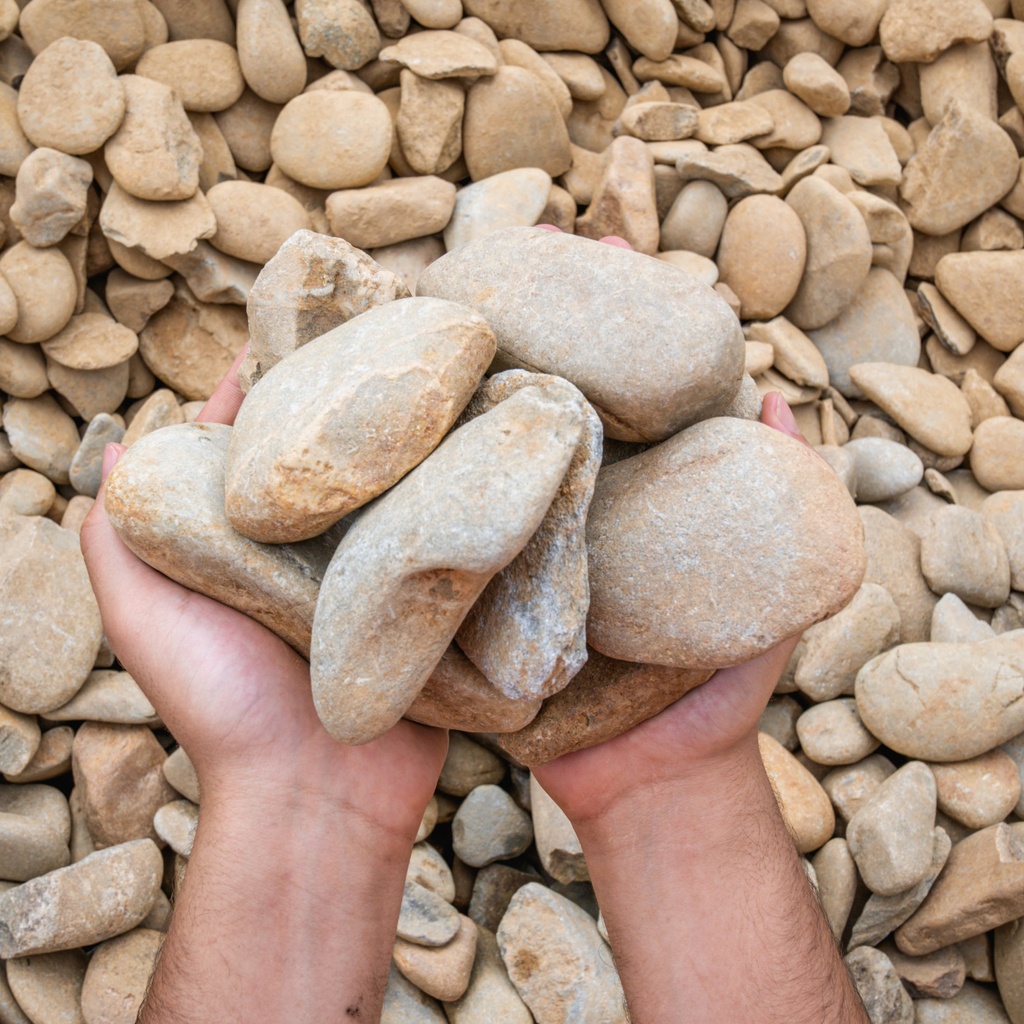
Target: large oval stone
(716, 545)
(917, 697)
(652, 348)
(349, 414)
(416, 560)
(165, 498)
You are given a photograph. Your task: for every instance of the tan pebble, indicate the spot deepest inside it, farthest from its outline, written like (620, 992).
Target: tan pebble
(429, 122)
(332, 140)
(205, 73)
(557, 843)
(993, 230)
(861, 145)
(180, 773)
(51, 759)
(793, 352)
(272, 60)
(185, 20)
(954, 622)
(967, 164)
(467, 766)
(967, 73)
(135, 262)
(658, 122)
(22, 370)
(51, 196)
(391, 212)
(213, 276)
(48, 987)
(253, 220)
(760, 356)
(157, 230)
(175, 823)
(118, 775)
(514, 51)
(89, 392)
(133, 301)
(44, 287)
(753, 24)
(247, 126)
(42, 435)
(533, 133)
(490, 992)
(439, 54)
(343, 32)
(695, 219)
(36, 827)
(761, 255)
(591, 123)
(919, 30)
(995, 456)
(435, 13)
(813, 80)
(107, 696)
(442, 972)
(964, 554)
(699, 267)
(91, 341)
(121, 30)
(837, 878)
(981, 285)
(832, 733)
(26, 492)
(796, 126)
(582, 76)
(154, 154)
(160, 409)
(979, 792)
(955, 333)
(732, 122)
(1006, 512)
(218, 163)
(117, 977)
(649, 27)
(19, 735)
(103, 895)
(804, 804)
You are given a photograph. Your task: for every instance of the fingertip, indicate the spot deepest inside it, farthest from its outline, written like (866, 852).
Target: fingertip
(111, 453)
(548, 227)
(618, 241)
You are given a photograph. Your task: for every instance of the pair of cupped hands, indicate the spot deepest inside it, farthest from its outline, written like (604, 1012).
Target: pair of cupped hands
(238, 699)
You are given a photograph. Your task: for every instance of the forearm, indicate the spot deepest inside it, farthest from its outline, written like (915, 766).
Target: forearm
(287, 912)
(708, 908)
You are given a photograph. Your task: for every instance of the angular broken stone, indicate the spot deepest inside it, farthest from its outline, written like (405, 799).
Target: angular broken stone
(156, 229)
(676, 510)
(526, 632)
(366, 402)
(606, 698)
(915, 697)
(738, 169)
(51, 195)
(313, 284)
(879, 986)
(544, 292)
(557, 843)
(44, 658)
(165, 497)
(456, 522)
(106, 894)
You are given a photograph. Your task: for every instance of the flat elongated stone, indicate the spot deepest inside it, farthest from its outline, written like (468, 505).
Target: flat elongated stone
(456, 523)
(426, 918)
(105, 894)
(576, 25)
(118, 974)
(526, 632)
(678, 511)
(44, 658)
(677, 358)
(313, 284)
(366, 403)
(606, 698)
(915, 697)
(165, 498)
(803, 803)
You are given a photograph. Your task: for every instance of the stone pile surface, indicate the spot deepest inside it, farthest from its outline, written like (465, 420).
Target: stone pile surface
(825, 199)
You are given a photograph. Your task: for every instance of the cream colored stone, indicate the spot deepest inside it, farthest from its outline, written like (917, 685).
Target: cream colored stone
(920, 30)
(575, 25)
(44, 287)
(832, 733)
(995, 455)
(695, 220)
(981, 286)
(978, 792)
(48, 987)
(156, 229)
(964, 554)
(117, 977)
(514, 198)
(429, 123)
(812, 79)
(804, 805)
(271, 58)
(393, 211)
(107, 696)
(26, 493)
(861, 145)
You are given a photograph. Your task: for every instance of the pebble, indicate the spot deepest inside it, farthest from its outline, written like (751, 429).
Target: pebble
(695, 220)
(441, 54)
(838, 253)
(659, 617)
(428, 868)
(48, 987)
(44, 660)
(467, 766)
(107, 696)
(964, 554)
(812, 79)
(180, 773)
(332, 140)
(939, 975)
(979, 889)
(429, 122)
(425, 918)
(442, 972)
(51, 196)
(836, 873)
(513, 198)
(571, 25)
(117, 977)
(493, 888)
(71, 98)
(404, 1003)
(913, 697)
(737, 169)
(557, 960)
(979, 792)
(954, 622)
(558, 846)
(270, 56)
(106, 894)
(253, 220)
(973, 1004)
(52, 757)
(44, 288)
(884, 469)
(343, 32)
(792, 352)
(879, 986)
(26, 492)
(155, 230)
(84, 472)
(832, 733)
(995, 458)
(1009, 966)
(160, 409)
(19, 740)
(979, 285)
(920, 30)
(312, 284)
(804, 805)
(34, 827)
(175, 824)
(489, 995)
(275, 585)
(488, 826)
(1005, 511)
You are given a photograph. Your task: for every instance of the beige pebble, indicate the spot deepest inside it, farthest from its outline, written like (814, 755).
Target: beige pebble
(332, 140)
(660, 122)
(36, 827)
(117, 977)
(964, 554)
(51, 759)
(737, 169)
(995, 456)
(467, 766)
(205, 73)
(89, 392)
(42, 435)
(121, 30)
(836, 873)
(884, 469)
(103, 895)
(48, 987)
(580, 73)
(440, 54)
(980, 286)
(1009, 382)
(133, 301)
(953, 623)
(158, 230)
(91, 341)
(832, 733)
(247, 126)
(393, 211)
(175, 824)
(805, 806)
(26, 493)
(490, 995)
(761, 255)
(557, 843)
(812, 79)
(23, 370)
(442, 972)
(253, 220)
(71, 98)
(1006, 512)
(181, 774)
(429, 122)
(426, 865)
(343, 32)
(107, 696)
(19, 740)
(695, 219)
(919, 30)
(51, 196)
(514, 198)
(271, 58)
(14, 146)
(154, 154)
(44, 286)
(732, 122)
(979, 792)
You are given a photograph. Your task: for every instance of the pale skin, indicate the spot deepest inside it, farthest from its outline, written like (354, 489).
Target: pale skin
(290, 902)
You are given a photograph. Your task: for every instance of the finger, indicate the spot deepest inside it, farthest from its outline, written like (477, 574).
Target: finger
(223, 405)
(617, 240)
(548, 227)
(776, 413)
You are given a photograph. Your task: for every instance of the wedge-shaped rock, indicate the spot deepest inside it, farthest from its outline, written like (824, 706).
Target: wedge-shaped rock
(165, 498)
(605, 699)
(410, 569)
(105, 894)
(916, 698)
(350, 414)
(671, 535)
(652, 349)
(527, 632)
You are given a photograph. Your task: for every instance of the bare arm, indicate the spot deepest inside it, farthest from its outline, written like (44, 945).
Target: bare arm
(709, 912)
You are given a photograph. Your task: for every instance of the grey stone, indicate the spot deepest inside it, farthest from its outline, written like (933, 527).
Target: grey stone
(557, 843)
(964, 554)
(404, 1003)
(103, 429)
(488, 826)
(426, 918)
(467, 766)
(493, 888)
(490, 996)
(879, 986)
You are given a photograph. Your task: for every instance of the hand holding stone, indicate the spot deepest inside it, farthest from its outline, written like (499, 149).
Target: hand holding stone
(235, 695)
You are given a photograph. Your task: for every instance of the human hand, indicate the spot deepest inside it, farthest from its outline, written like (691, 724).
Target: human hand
(236, 696)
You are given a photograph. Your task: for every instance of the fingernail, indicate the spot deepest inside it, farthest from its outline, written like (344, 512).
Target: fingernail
(547, 227)
(784, 414)
(111, 453)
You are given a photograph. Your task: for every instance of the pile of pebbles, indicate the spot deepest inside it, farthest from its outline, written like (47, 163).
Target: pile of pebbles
(845, 176)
